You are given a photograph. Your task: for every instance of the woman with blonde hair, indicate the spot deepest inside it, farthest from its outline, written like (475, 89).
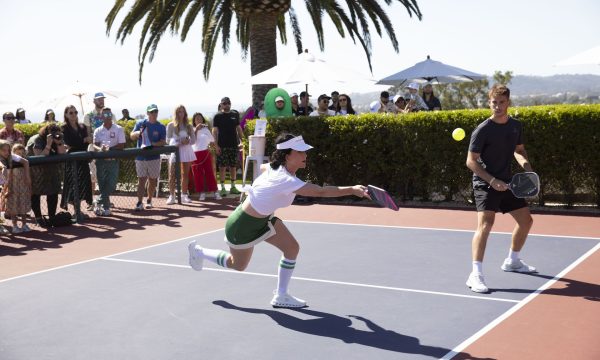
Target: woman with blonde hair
(181, 134)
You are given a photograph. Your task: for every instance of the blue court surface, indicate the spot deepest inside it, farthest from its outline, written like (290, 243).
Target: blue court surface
(373, 292)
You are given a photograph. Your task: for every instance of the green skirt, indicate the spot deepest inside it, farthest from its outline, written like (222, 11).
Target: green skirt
(243, 231)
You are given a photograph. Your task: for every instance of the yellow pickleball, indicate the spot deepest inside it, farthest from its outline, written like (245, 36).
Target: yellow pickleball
(458, 134)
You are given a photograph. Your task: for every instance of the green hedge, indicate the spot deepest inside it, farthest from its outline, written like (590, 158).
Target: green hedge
(415, 157)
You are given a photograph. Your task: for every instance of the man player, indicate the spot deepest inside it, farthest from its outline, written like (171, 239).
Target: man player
(493, 144)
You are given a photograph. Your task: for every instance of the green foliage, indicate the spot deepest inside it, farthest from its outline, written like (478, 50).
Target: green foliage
(503, 78)
(415, 157)
(464, 95)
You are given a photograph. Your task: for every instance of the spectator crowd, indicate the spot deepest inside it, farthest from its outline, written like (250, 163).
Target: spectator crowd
(196, 140)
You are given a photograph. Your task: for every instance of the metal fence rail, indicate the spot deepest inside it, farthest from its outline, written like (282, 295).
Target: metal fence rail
(126, 191)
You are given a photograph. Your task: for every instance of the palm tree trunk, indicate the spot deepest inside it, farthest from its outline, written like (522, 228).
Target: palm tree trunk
(263, 50)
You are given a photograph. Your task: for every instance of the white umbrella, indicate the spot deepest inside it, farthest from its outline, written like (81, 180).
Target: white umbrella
(307, 69)
(78, 94)
(431, 71)
(588, 57)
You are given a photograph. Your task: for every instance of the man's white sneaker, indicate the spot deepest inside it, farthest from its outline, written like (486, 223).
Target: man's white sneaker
(477, 283)
(287, 301)
(517, 266)
(217, 196)
(196, 259)
(202, 197)
(170, 200)
(186, 199)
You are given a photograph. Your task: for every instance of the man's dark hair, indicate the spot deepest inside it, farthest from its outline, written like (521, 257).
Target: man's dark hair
(385, 94)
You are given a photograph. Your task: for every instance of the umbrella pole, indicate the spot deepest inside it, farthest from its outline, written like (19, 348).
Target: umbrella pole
(81, 103)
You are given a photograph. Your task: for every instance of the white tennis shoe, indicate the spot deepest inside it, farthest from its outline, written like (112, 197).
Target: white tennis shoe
(477, 283)
(517, 266)
(287, 301)
(196, 259)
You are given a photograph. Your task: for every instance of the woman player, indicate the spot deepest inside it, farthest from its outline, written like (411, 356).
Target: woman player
(253, 221)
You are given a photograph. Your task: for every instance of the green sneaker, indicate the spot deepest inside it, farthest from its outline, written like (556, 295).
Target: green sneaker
(223, 191)
(234, 190)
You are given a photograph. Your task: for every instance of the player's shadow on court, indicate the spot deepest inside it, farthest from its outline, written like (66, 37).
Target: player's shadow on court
(339, 327)
(572, 288)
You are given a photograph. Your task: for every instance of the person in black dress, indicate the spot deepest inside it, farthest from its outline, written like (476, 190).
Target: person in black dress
(76, 138)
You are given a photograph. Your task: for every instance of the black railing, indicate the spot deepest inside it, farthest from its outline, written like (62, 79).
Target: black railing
(124, 154)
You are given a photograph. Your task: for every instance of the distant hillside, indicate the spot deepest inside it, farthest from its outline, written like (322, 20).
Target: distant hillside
(531, 90)
(585, 85)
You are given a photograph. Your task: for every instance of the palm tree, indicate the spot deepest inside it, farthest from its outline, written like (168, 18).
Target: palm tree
(257, 25)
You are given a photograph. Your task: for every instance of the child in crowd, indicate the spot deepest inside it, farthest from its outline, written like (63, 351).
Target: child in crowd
(16, 193)
(202, 168)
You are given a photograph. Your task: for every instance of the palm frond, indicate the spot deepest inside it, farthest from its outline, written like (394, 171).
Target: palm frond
(295, 29)
(281, 26)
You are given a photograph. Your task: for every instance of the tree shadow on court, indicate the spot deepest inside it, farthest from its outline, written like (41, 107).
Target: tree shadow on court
(571, 288)
(340, 327)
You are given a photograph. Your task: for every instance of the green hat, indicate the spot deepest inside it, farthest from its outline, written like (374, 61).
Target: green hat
(151, 108)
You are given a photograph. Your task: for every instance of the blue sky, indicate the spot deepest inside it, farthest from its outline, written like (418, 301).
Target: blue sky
(48, 46)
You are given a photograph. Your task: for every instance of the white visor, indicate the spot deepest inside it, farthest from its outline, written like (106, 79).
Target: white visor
(296, 143)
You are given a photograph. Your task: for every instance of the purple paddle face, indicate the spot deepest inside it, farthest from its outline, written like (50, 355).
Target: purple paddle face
(382, 198)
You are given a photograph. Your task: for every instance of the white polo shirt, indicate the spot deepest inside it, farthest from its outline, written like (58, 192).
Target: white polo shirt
(114, 136)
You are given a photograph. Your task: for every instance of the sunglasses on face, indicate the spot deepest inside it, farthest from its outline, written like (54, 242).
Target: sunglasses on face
(71, 113)
(342, 99)
(154, 112)
(107, 115)
(226, 103)
(9, 118)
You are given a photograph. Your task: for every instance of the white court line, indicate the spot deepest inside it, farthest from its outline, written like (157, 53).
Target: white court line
(317, 280)
(101, 257)
(438, 229)
(514, 309)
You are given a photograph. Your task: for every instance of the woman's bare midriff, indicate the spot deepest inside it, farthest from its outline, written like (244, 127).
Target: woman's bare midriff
(248, 209)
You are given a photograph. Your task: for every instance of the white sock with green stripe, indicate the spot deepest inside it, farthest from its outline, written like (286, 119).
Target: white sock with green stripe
(218, 257)
(286, 268)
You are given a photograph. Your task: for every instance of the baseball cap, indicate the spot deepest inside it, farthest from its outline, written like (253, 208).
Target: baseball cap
(279, 98)
(295, 143)
(152, 107)
(49, 111)
(225, 100)
(324, 96)
(413, 85)
(20, 110)
(334, 93)
(303, 94)
(293, 94)
(99, 95)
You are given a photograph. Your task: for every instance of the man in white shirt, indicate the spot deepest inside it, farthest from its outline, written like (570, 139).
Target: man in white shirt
(109, 136)
(323, 107)
(93, 120)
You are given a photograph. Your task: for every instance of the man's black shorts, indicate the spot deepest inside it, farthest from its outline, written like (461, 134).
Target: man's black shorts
(487, 198)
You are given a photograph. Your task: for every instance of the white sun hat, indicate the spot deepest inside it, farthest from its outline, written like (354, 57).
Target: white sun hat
(296, 143)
